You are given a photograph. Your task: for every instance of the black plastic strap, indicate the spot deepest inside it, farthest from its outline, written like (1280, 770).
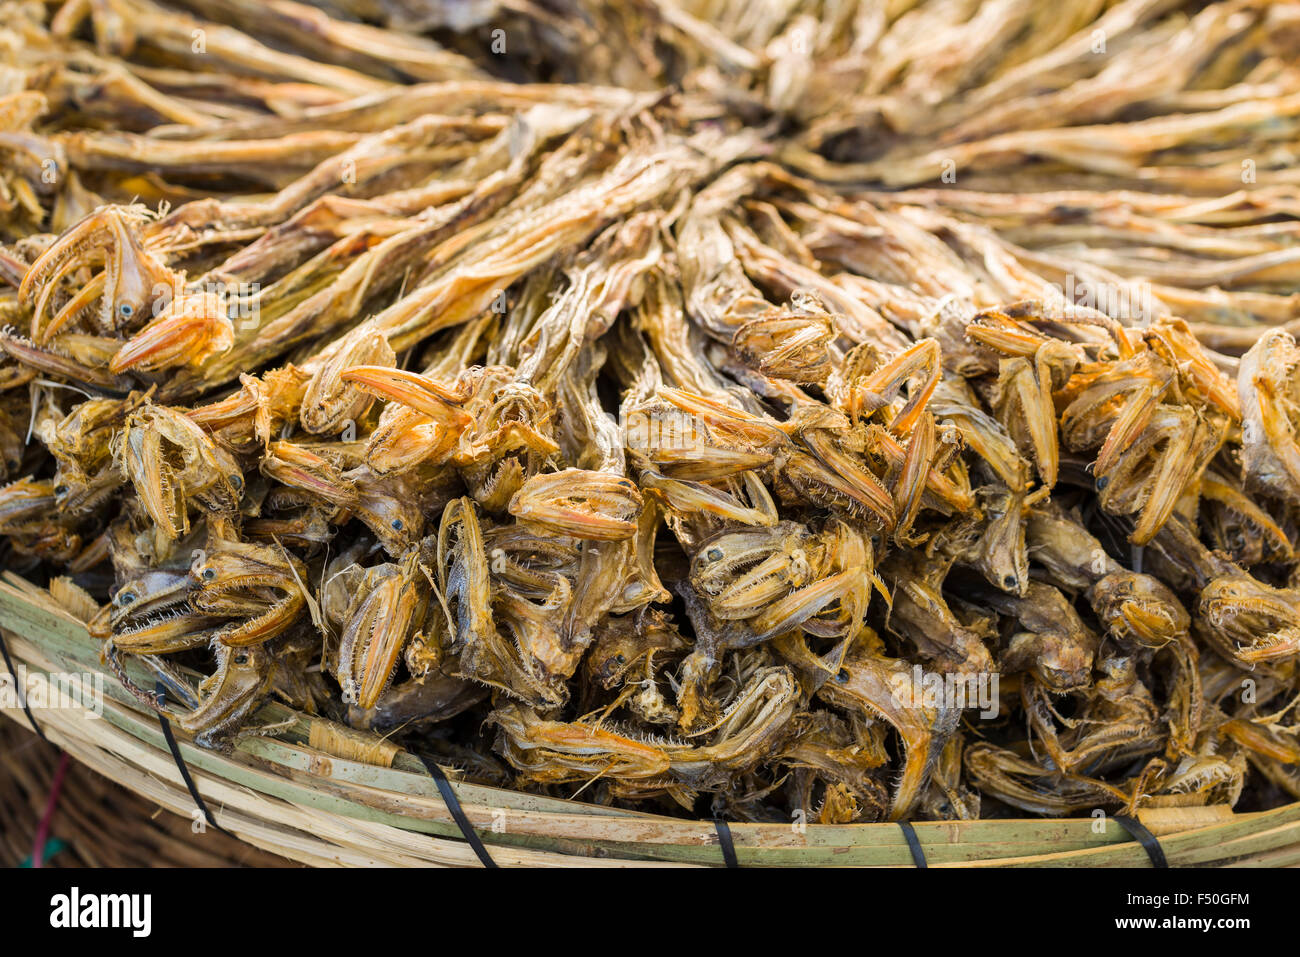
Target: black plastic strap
(914, 844)
(726, 842)
(457, 812)
(1144, 837)
(21, 692)
(160, 692)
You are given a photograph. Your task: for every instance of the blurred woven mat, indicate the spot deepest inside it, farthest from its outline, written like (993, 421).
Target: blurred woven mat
(96, 822)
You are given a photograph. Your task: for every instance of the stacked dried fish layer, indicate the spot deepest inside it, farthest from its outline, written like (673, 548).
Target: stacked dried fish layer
(821, 411)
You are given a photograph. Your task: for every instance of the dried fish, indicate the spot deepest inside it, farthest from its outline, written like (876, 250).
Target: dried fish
(833, 410)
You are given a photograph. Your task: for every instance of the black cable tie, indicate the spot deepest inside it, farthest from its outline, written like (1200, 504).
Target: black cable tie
(160, 691)
(914, 845)
(1149, 843)
(726, 842)
(457, 812)
(21, 692)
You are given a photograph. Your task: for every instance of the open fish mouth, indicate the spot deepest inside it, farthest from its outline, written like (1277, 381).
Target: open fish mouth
(1263, 623)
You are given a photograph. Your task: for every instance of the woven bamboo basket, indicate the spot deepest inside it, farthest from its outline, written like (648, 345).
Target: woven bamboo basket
(321, 794)
(96, 822)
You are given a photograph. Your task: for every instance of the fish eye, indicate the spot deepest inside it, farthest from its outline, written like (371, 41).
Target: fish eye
(843, 676)
(60, 490)
(1009, 581)
(241, 659)
(397, 525)
(620, 658)
(209, 574)
(1103, 482)
(237, 481)
(125, 598)
(715, 555)
(125, 310)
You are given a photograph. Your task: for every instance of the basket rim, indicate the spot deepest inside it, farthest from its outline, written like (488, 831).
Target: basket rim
(404, 797)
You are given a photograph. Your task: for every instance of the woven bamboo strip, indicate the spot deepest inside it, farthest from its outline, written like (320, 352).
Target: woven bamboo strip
(283, 795)
(98, 822)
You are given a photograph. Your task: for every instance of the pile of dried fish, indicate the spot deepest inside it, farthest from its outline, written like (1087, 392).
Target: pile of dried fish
(826, 411)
